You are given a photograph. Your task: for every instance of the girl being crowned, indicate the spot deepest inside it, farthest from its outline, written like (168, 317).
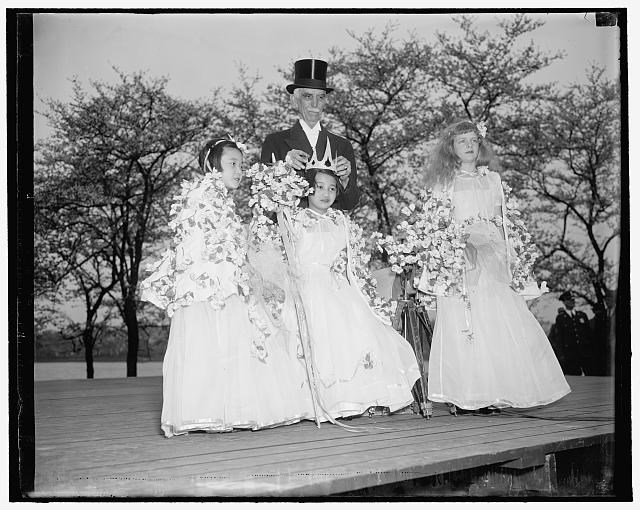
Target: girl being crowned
(488, 350)
(355, 358)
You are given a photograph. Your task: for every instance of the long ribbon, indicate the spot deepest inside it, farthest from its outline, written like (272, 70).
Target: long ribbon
(505, 231)
(284, 225)
(466, 301)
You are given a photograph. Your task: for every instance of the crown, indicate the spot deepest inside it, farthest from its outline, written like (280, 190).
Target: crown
(326, 162)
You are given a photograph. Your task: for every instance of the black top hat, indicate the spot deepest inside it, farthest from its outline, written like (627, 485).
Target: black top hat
(567, 294)
(310, 73)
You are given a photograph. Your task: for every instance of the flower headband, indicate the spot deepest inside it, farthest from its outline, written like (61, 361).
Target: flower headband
(241, 147)
(482, 129)
(480, 126)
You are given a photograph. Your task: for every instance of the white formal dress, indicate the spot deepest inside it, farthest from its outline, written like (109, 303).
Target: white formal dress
(359, 361)
(225, 366)
(508, 361)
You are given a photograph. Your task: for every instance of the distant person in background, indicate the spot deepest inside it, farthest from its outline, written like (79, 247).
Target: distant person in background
(571, 337)
(296, 145)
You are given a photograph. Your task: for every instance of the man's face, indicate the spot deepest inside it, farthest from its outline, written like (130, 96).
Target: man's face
(310, 104)
(569, 303)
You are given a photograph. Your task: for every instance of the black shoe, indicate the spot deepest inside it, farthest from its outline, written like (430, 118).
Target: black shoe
(457, 411)
(488, 411)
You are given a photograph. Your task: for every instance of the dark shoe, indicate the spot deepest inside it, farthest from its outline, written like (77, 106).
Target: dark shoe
(487, 411)
(378, 411)
(457, 411)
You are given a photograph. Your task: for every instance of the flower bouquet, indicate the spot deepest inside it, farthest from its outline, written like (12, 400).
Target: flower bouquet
(274, 187)
(430, 242)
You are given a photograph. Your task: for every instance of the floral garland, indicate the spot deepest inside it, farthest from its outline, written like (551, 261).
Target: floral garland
(203, 207)
(430, 240)
(364, 280)
(359, 263)
(274, 188)
(524, 251)
(520, 241)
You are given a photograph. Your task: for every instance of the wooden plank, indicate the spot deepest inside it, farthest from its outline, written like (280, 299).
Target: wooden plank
(346, 477)
(340, 476)
(269, 463)
(198, 454)
(530, 458)
(288, 434)
(505, 482)
(146, 429)
(105, 439)
(124, 405)
(258, 440)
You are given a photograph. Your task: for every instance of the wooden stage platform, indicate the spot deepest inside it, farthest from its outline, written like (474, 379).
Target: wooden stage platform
(101, 438)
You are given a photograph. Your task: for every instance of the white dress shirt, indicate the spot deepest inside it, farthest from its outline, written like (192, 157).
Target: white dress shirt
(312, 133)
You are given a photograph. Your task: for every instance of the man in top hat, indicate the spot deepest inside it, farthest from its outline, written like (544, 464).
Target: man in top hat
(571, 337)
(296, 145)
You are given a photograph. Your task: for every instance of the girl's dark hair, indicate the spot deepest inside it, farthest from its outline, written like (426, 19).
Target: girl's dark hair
(212, 151)
(444, 163)
(310, 176)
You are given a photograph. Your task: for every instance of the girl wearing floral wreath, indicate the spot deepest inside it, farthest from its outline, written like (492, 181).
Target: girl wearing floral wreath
(357, 360)
(488, 351)
(224, 367)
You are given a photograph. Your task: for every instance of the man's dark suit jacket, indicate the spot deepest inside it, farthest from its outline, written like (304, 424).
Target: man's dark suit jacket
(571, 338)
(279, 144)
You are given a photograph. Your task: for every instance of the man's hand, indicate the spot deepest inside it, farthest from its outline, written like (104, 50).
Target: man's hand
(343, 170)
(297, 159)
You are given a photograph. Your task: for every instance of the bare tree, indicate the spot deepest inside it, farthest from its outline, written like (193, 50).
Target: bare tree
(383, 104)
(575, 199)
(559, 150)
(74, 261)
(122, 150)
(491, 77)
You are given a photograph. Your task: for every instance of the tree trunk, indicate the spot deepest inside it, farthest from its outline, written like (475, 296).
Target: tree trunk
(87, 339)
(133, 336)
(602, 341)
(384, 225)
(602, 330)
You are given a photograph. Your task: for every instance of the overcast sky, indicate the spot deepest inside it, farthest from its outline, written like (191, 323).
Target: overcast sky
(199, 52)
